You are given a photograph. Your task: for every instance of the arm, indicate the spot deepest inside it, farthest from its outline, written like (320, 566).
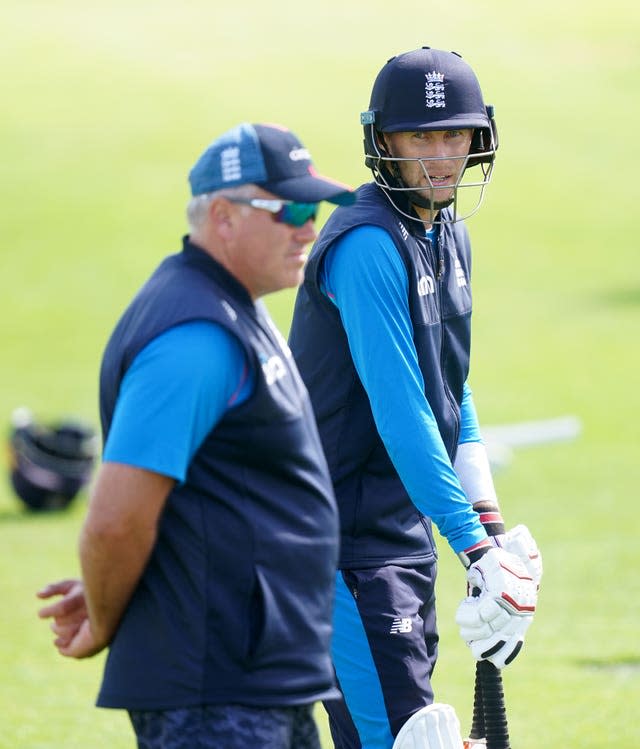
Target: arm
(68, 613)
(473, 468)
(168, 402)
(367, 281)
(116, 541)
(491, 631)
(176, 390)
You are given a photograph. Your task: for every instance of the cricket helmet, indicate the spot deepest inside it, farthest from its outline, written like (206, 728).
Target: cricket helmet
(49, 464)
(428, 89)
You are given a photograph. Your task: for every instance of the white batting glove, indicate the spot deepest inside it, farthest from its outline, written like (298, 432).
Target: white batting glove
(494, 618)
(520, 542)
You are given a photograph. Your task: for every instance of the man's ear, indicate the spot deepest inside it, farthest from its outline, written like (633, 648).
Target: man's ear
(221, 216)
(382, 143)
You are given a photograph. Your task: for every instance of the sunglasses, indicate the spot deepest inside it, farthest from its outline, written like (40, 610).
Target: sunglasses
(283, 211)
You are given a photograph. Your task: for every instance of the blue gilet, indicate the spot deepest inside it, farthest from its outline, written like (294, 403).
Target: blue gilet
(234, 605)
(379, 523)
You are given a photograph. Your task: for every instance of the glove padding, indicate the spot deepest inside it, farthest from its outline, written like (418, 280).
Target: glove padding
(494, 617)
(520, 542)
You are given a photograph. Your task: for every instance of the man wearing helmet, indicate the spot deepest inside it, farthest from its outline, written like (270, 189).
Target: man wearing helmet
(381, 335)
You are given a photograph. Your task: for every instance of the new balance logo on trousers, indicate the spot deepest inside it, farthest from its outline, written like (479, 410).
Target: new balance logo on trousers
(400, 626)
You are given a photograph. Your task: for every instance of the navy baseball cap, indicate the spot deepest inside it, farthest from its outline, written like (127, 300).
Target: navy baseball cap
(270, 156)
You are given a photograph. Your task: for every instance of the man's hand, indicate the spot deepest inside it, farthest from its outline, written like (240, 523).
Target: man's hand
(70, 619)
(493, 619)
(520, 542)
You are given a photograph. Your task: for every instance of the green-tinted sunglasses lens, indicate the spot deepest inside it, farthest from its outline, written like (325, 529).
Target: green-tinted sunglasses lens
(297, 214)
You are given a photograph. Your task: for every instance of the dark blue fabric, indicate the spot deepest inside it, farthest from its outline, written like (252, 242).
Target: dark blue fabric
(235, 603)
(364, 276)
(226, 727)
(379, 523)
(386, 677)
(168, 402)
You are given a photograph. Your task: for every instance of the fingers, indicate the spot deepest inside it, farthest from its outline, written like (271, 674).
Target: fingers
(71, 606)
(520, 542)
(501, 653)
(498, 649)
(65, 608)
(479, 618)
(70, 624)
(490, 631)
(81, 645)
(66, 630)
(62, 587)
(63, 641)
(494, 621)
(503, 576)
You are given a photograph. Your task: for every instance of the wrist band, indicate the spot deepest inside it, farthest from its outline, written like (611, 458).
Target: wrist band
(473, 553)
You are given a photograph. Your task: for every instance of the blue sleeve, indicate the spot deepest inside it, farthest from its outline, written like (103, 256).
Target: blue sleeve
(173, 394)
(469, 426)
(366, 279)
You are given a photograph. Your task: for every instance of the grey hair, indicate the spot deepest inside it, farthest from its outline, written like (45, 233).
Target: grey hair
(198, 206)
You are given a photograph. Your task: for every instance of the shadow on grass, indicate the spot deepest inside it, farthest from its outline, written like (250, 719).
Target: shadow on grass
(625, 297)
(623, 664)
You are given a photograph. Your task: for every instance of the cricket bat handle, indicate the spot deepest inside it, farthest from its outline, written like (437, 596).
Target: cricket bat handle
(489, 724)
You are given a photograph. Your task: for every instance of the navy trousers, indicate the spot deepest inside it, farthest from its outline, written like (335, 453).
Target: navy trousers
(384, 648)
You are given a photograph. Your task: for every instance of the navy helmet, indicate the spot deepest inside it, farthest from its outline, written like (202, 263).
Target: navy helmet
(49, 464)
(428, 89)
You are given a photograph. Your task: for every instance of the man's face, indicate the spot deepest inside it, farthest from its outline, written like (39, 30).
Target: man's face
(268, 255)
(442, 154)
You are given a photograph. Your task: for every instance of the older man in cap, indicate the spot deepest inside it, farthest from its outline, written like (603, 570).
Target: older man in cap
(209, 549)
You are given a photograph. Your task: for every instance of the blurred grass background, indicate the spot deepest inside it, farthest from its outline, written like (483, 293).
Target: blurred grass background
(104, 109)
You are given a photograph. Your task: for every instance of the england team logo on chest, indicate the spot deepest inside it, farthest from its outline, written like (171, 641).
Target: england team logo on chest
(461, 279)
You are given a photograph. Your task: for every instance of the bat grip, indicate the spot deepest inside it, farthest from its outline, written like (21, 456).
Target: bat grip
(495, 713)
(477, 724)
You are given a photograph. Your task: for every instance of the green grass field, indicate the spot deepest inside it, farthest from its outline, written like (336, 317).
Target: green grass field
(105, 107)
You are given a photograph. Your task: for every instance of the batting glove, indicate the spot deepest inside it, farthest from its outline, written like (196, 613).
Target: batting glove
(493, 619)
(520, 542)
